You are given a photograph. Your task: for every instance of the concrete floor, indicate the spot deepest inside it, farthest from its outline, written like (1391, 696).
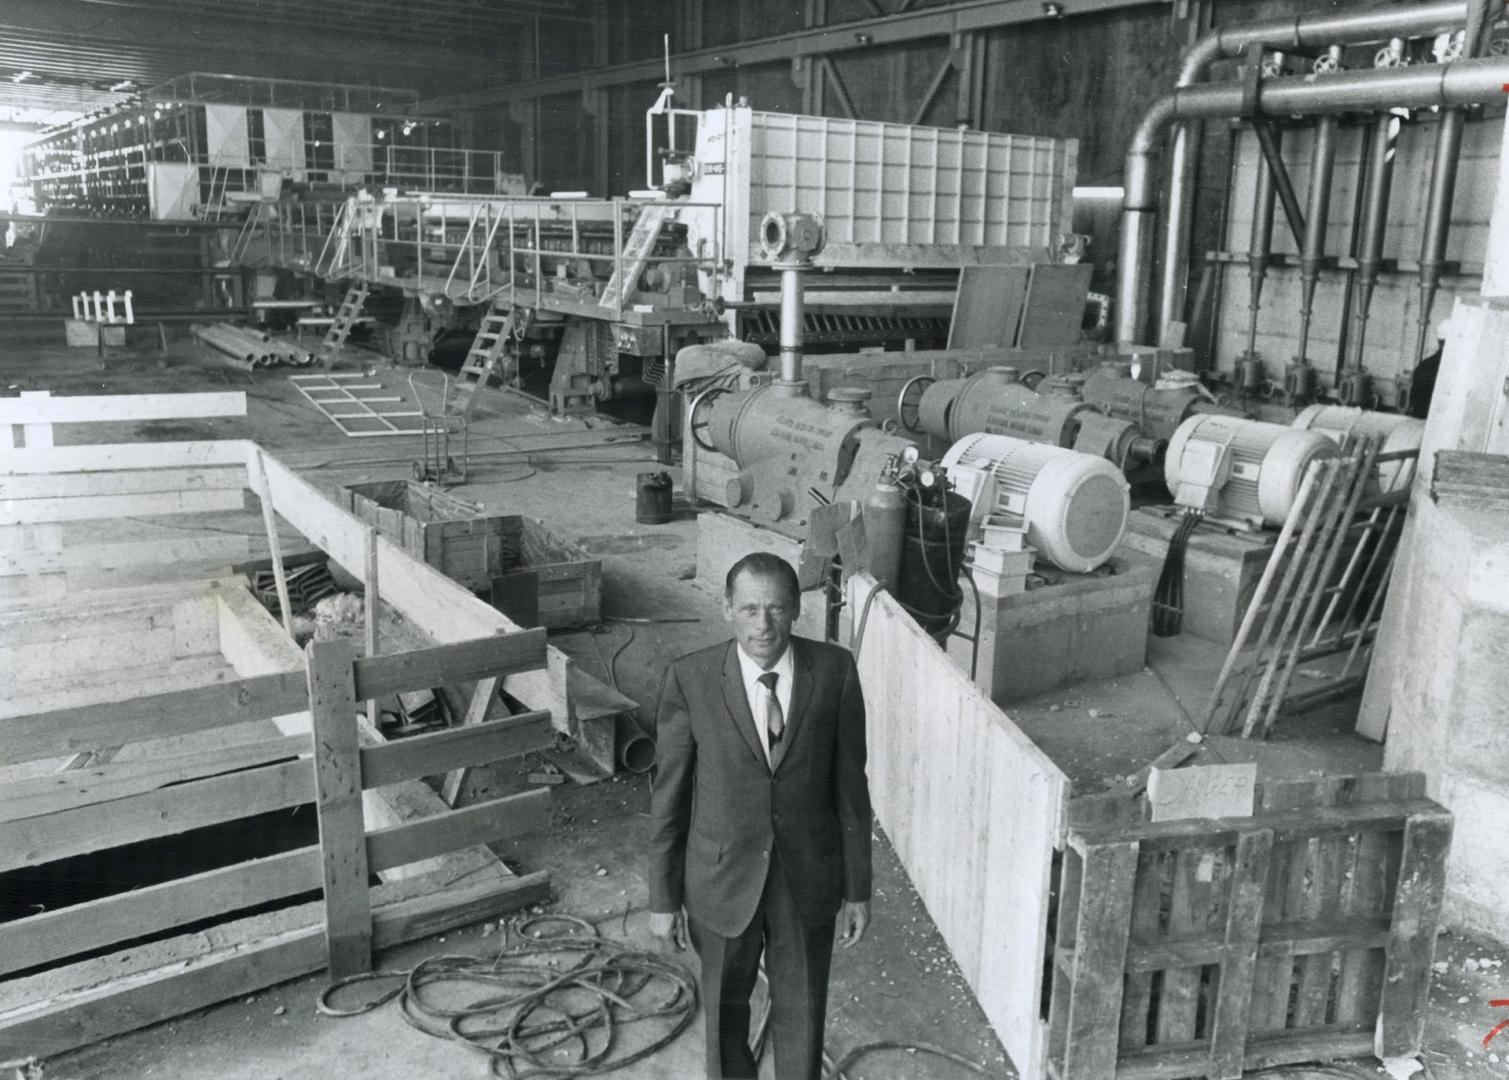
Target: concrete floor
(579, 476)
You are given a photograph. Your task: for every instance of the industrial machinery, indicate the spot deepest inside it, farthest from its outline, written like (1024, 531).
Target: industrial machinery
(1399, 434)
(1238, 470)
(998, 402)
(613, 288)
(1074, 506)
(1157, 408)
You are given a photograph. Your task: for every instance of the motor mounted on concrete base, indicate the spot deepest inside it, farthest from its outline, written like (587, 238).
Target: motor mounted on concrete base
(1243, 470)
(1074, 506)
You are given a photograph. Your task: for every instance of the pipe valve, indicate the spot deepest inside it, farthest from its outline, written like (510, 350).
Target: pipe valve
(791, 237)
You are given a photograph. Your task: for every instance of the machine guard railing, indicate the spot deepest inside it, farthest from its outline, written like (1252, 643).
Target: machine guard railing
(501, 250)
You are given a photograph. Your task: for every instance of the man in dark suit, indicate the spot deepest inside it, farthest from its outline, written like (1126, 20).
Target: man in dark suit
(760, 820)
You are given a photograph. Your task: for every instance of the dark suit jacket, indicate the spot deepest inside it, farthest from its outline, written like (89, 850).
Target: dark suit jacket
(717, 811)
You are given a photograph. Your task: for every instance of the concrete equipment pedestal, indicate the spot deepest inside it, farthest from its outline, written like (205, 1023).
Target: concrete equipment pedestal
(1082, 627)
(1221, 567)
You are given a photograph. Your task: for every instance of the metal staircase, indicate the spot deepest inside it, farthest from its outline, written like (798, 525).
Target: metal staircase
(345, 318)
(636, 253)
(486, 356)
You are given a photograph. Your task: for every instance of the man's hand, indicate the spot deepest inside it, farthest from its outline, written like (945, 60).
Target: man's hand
(670, 926)
(853, 921)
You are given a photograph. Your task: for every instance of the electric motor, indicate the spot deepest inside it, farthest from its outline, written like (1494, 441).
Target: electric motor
(1157, 410)
(1073, 506)
(1246, 470)
(1398, 433)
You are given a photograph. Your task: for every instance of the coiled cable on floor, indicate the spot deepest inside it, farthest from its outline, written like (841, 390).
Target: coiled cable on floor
(554, 1006)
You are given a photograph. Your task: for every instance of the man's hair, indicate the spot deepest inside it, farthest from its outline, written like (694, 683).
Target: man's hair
(763, 564)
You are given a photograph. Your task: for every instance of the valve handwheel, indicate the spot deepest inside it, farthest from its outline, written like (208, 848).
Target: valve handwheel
(905, 403)
(693, 425)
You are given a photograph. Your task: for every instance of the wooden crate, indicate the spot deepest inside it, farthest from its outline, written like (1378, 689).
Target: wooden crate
(1206, 947)
(528, 570)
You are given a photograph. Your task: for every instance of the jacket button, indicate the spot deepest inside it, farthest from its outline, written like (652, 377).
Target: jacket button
(775, 817)
(765, 854)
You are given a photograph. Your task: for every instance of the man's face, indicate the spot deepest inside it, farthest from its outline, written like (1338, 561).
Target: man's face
(761, 611)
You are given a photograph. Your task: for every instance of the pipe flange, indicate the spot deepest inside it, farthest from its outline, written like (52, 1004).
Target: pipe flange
(791, 237)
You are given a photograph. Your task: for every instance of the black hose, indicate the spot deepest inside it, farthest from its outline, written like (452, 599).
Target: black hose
(535, 1005)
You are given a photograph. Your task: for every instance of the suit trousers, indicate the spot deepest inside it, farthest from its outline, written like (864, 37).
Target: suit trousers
(798, 956)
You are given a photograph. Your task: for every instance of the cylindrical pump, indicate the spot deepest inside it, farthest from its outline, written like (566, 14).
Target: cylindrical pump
(1074, 506)
(885, 511)
(994, 400)
(1158, 409)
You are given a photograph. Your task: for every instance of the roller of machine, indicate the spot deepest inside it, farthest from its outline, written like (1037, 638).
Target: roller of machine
(1240, 470)
(1074, 506)
(997, 402)
(1399, 433)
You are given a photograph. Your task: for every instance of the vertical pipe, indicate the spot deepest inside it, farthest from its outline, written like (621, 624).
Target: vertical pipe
(792, 323)
(1260, 247)
(1174, 273)
(1380, 177)
(1443, 183)
(1322, 172)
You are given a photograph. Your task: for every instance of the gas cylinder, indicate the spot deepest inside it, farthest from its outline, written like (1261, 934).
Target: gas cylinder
(885, 514)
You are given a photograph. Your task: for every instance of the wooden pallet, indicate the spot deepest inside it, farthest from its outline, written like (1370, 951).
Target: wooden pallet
(1206, 947)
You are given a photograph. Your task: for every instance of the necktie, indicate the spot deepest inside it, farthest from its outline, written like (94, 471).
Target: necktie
(775, 720)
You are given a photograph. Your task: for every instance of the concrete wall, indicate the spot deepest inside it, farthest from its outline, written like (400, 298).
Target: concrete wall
(1440, 674)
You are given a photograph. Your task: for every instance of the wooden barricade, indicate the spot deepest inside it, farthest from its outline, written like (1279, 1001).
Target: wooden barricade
(59, 815)
(1206, 947)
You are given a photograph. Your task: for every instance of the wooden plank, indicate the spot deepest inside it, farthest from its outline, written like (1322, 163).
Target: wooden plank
(133, 482)
(440, 665)
(116, 408)
(112, 558)
(1179, 1063)
(193, 805)
(257, 477)
(435, 604)
(58, 791)
(442, 751)
(338, 786)
(154, 716)
(1412, 941)
(1180, 997)
(484, 823)
(1137, 1000)
(1286, 825)
(1362, 964)
(89, 508)
(1101, 934)
(113, 1007)
(1244, 919)
(56, 935)
(483, 696)
(371, 611)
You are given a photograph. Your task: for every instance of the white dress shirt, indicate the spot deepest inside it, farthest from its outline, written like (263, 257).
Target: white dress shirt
(755, 690)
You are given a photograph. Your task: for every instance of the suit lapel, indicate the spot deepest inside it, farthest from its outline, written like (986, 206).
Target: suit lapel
(801, 696)
(737, 701)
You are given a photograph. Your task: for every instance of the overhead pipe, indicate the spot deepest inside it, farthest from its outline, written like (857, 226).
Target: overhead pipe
(1304, 33)
(1464, 82)
(1379, 176)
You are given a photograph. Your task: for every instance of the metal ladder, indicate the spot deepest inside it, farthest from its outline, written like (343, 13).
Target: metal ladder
(635, 254)
(345, 318)
(485, 358)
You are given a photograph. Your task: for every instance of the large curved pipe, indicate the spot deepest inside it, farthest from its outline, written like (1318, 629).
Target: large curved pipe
(1305, 32)
(1465, 82)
